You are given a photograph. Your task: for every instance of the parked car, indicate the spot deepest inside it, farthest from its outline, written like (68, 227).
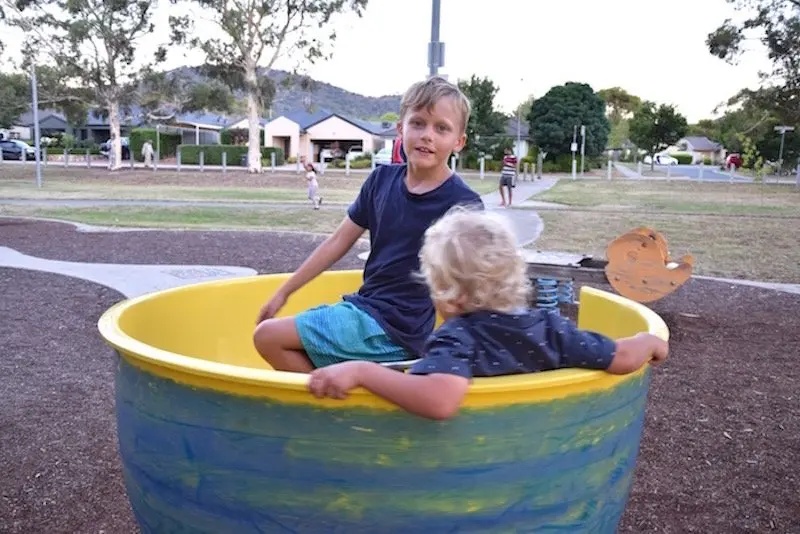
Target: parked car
(355, 152)
(733, 159)
(14, 149)
(383, 156)
(105, 148)
(661, 159)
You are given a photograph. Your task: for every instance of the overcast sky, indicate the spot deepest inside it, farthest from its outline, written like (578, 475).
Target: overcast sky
(653, 49)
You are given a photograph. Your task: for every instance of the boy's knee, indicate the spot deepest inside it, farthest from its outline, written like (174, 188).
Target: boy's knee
(264, 337)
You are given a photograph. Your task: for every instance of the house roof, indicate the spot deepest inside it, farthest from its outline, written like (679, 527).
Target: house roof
(511, 128)
(306, 120)
(203, 119)
(702, 144)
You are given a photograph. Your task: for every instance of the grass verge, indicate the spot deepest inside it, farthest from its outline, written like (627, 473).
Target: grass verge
(755, 248)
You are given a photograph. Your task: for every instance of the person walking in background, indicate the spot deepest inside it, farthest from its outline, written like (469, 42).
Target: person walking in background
(147, 153)
(313, 186)
(507, 176)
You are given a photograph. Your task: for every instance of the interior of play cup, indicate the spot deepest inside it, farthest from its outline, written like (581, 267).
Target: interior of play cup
(211, 324)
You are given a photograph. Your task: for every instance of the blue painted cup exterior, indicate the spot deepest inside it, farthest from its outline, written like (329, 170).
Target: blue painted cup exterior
(203, 461)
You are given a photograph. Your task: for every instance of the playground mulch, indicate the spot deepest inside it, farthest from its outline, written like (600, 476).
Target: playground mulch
(719, 453)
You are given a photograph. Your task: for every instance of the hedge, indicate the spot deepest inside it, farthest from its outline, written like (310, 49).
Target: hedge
(683, 159)
(237, 136)
(167, 142)
(212, 154)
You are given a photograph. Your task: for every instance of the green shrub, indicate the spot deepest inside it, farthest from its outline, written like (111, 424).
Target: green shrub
(93, 151)
(238, 136)
(291, 159)
(683, 158)
(361, 163)
(166, 142)
(708, 161)
(212, 154)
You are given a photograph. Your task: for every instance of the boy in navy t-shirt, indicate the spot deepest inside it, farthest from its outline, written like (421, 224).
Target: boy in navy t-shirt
(392, 314)
(480, 286)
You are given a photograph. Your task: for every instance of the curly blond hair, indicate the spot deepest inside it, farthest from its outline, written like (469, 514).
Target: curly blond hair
(469, 261)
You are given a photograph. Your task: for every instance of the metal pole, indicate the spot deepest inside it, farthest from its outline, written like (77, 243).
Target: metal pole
(434, 47)
(583, 146)
(573, 148)
(37, 140)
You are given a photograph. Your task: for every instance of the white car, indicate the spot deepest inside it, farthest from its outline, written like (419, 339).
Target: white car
(354, 153)
(383, 156)
(661, 159)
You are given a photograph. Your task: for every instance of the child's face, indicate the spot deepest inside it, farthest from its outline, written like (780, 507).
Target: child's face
(430, 136)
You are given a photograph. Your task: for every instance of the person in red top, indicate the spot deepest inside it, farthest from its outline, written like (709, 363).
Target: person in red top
(398, 154)
(507, 176)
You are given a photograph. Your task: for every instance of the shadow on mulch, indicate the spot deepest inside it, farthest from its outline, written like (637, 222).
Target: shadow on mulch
(719, 453)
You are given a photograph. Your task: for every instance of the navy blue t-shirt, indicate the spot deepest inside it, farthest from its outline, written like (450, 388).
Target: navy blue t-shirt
(486, 343)
(397, 220)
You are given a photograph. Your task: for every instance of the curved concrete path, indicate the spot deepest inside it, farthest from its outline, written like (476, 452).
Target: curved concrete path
(130, 280)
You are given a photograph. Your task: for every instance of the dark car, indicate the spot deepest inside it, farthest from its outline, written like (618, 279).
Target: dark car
(14, 149)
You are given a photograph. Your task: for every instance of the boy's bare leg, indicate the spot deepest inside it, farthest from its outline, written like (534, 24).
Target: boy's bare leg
(509, 196)
(502, 195)
(276, 340)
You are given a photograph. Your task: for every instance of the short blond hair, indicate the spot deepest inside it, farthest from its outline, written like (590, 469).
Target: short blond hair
(469, 260)
(425, 94)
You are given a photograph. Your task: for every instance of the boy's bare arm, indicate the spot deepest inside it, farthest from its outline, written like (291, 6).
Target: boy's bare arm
(633, 352)
(329, 252)
(325, 255)
(434, 396)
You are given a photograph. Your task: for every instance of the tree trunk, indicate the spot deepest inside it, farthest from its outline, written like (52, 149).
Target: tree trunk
(115, 154)
(253, 119)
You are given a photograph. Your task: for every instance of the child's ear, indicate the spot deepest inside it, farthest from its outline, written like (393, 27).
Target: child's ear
(399, 127)
(462, 140)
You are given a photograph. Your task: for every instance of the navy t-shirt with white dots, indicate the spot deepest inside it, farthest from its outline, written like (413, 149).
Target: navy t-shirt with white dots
(488, 343)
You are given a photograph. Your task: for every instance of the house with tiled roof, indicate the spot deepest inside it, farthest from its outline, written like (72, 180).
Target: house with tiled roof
(305, 134)
(701, 148)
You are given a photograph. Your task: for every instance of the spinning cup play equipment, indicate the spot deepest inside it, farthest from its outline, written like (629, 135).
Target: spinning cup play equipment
(212, 440)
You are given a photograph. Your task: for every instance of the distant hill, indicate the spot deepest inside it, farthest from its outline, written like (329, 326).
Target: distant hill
(323, 96)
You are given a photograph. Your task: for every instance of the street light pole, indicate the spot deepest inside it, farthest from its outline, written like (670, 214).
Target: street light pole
(583, 146)
(435, 47)
(782, 130)
(36, 135)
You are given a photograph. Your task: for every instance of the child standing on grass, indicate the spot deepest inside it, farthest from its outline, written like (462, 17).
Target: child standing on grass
(392, 314)
(480, 286)
(313, 186)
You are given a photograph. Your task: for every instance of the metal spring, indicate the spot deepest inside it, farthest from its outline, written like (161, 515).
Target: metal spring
(566, 292)
(547, 295)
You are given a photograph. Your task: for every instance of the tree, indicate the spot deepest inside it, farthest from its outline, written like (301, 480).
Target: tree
(90, 46)
(485, 123)
(524, 107)
(776, 23)
(655, 128)
(619, 103)
(255, 34)
(390, 116)
(15, 98)
(554, 117)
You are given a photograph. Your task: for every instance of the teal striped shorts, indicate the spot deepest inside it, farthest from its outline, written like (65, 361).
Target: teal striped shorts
(342, 332)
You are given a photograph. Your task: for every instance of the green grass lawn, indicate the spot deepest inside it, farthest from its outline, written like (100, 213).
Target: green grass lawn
(737, 231)
(677, 197)
(17, 182)
(288, 219)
